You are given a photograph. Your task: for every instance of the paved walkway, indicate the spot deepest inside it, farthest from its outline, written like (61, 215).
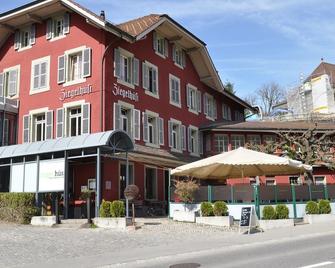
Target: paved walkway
(27, 246)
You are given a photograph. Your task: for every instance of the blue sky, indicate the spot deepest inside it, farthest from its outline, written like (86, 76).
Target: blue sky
(251, 42)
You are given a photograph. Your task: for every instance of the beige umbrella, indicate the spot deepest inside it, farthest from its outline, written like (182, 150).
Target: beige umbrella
(239, 163)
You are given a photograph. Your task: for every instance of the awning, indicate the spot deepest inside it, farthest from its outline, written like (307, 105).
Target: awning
(115, 140)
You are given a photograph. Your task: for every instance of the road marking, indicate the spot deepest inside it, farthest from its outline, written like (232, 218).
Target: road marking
(318, 264)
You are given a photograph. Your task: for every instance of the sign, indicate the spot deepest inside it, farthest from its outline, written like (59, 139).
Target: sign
(248, 218)
(125, 93)
(70, 94)
(51, 176)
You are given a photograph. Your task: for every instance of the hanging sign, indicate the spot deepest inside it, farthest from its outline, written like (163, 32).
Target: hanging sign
(70, 94)
(125, 93)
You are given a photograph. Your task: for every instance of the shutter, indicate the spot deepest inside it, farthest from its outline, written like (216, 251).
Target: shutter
(205, 104)
(161, 130)
(180, 138)
(199, 100)
(61, 69)
(136, 72)
(229, 113)
(170, 125)
(145, 74)
(174, 53)
(183, 137)
(12, 83)
(17, 40)
(215, 112)
(66, 27)
(36, 76)
(145, 127)
(43, 74)
(200, 143)
(60, 123)
(2, 76)
(189, 139)
(156, 134)
(137, 124)
(87, 62)
(49, 125)
(85, 119)
(32, 40)
(184, 58)
(117, 116)
(49, 29)
(154, 40)
(166, 48)
(26, 128)
(154, 80)
(117, 63)
(188, 96)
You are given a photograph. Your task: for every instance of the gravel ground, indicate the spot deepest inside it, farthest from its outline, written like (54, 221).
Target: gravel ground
(21, 245)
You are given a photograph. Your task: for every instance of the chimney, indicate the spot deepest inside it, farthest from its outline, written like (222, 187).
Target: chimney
(321, 59)
(102, 15)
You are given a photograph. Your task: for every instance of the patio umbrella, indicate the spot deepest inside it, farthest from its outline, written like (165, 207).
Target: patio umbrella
(239, 163)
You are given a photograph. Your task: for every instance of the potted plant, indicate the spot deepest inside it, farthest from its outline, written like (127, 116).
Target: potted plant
(275, 217)
(318, 212)
(216, 215)
(86, 195)
(185, 190)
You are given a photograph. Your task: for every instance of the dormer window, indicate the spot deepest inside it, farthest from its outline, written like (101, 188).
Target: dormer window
(25, 37)
(161, 45)
(58, 27)
(179, 56)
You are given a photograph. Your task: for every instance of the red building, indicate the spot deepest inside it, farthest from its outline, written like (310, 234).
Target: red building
(66, 72)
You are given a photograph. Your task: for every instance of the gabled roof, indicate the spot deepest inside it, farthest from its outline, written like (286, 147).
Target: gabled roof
(323, 68)
(137, 26)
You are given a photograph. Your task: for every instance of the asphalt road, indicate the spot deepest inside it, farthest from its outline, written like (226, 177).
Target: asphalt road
(308, 253)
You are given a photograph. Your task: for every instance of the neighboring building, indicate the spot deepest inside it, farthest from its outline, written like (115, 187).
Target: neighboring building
(223, 137)
(67, 72)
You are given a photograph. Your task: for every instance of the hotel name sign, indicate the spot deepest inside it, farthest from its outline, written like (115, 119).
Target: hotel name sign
(125, 93)
(72, 93)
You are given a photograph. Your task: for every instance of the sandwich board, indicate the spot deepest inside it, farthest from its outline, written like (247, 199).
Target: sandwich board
(248, 219)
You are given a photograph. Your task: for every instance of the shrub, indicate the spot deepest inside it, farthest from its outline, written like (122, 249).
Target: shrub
(312, 208)
(17, 207)
(206, 209)
(105, 209)
(269, 213)
(220, 208)
(185, 190)
(117, 209)
(324, 207)
(282, 212)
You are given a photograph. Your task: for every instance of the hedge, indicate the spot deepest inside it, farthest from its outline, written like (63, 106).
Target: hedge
(220, 208)
(269, 213)
(206, 209)
(324, 207)
(17, 207)
(282, 211)
(312, 208)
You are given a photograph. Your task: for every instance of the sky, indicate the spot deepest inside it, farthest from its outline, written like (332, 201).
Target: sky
(251, 42)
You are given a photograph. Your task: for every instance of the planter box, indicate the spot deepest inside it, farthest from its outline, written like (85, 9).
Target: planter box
(112, 223)
(316, 218)
(185, 216)
(43, 221)
(226, 221)
(274, 224)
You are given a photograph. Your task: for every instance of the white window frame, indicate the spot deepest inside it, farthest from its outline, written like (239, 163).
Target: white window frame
(68, 54)
(33, 114)
(219, 141)
(24, 30)
(178, 136)
(147, 91)
(193, 101)
(145, 182)
(130, 119)
(232, 140)
(160, 38)
(172, 102)
(179, 50)
(67, 107)
(226, 112)
(126, 54)
(210, 107)
(272, 137)
(132, 174)
(54, 19)
(252, 137)
(196, 146)
(47, 82)
(5, 86)
(315, 177)
(294, 177)
(156, 128)
(271, 181)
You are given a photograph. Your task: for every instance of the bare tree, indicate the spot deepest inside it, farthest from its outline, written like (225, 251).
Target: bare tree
(251, 99)
(269, 95)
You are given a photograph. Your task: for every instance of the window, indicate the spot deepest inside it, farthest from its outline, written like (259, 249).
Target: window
(73, 120)
(270, 181)
(25, 37)
(319, 180)
(123, 178)
(226, 112)
(177, 135)
(239, 116)
(150, 183)
(9, 82)
(294, 180)
(74, 66)
(160, 45)
(126, 68)
(252, 181)
(153, 129)
(150, 79)
(237, 141)
(193, 99)
(254, 139)
(269, 138)
(174, 90)
(194, 140)
(210, 107)
(221, 143)
(127, 119)
(58, 27)
(40, 70)
(179, 56)
(38, 125)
